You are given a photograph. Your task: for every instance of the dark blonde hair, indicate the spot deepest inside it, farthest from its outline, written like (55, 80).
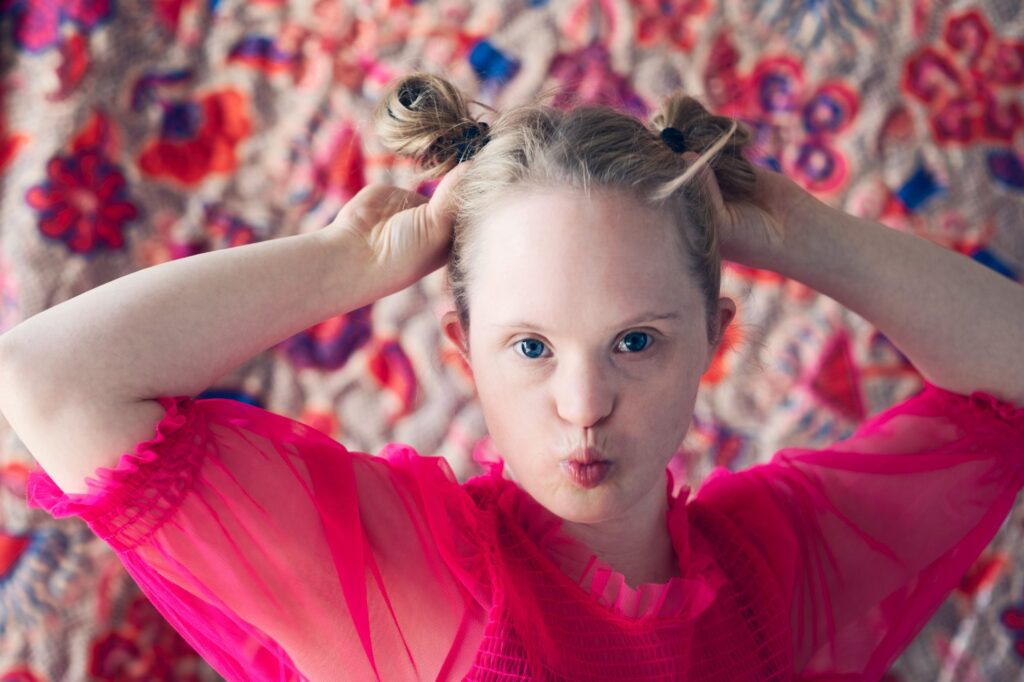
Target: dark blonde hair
(425, 117)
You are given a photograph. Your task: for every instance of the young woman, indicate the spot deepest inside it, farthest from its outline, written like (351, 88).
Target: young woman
(584, 259)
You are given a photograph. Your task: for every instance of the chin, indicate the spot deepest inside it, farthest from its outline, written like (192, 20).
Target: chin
(592, 506)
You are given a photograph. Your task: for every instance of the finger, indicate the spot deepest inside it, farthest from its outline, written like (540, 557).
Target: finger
(440, 201)
(449, 180)
(402, 199)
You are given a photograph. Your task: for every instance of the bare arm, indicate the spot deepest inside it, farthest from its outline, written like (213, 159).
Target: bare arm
(959, 323)
(175, 328)
(77, 380)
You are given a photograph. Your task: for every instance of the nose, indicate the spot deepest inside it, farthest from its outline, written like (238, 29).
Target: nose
(583, 393)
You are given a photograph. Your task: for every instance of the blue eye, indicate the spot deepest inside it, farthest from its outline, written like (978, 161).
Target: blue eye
(635, 341)
(634, 336)
(534, 345)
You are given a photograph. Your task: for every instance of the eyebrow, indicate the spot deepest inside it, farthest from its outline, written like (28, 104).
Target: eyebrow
(643, 317)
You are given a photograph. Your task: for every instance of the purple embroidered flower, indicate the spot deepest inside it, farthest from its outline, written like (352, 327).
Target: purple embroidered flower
(329, 344)
(37, 23)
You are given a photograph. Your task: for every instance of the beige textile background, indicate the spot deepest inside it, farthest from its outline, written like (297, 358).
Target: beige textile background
(134, 133)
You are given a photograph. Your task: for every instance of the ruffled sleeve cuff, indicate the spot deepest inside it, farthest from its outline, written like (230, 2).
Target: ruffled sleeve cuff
(127, 502)
(980, 406)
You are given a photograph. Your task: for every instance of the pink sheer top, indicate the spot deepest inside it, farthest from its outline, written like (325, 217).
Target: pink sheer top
(279, 554)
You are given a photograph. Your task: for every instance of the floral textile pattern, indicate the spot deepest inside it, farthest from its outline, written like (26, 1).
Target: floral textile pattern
(84, 200)
(675, 23)
(198, 138)
(970, 83)
(37, 24)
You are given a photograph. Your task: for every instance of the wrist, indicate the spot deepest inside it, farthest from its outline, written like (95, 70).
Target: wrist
(350, 281)
(805, 239)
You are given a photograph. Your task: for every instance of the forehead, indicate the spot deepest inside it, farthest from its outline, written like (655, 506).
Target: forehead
(559, 259)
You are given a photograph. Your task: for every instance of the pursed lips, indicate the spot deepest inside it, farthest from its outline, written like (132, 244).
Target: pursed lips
(586, 456)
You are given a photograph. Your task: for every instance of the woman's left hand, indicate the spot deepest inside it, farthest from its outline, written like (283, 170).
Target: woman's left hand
(750, 232)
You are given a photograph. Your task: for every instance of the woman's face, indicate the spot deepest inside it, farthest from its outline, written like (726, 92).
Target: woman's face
(567, 351)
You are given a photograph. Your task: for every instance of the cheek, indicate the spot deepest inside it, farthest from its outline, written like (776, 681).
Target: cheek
(506, 407)
(662, 409)
(499, 382)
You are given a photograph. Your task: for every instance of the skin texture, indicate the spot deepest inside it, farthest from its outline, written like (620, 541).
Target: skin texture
(581, 270)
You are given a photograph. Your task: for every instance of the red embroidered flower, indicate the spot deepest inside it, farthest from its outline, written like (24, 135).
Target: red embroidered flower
(675, 22)
(83, 201)
(198, 138)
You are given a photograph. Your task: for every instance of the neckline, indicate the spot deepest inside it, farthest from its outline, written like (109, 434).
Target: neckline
(683, 595)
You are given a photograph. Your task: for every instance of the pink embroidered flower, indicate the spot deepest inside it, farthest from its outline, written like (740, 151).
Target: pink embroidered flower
(37, 23)
(586, 76)
(968, 83)
(776, 89)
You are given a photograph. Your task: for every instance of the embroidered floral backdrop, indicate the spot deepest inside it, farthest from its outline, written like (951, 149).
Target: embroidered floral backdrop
(133, 133)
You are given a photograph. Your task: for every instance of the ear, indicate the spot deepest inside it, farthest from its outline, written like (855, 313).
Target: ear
(726, 313)
(452, 329)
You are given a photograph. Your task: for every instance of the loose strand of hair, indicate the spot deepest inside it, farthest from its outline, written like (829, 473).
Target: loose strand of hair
(670, 188)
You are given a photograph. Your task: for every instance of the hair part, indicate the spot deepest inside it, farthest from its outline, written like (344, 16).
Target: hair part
(425, 117)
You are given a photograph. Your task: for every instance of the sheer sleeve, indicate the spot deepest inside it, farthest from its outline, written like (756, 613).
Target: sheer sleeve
(276, 552)
(868, 536)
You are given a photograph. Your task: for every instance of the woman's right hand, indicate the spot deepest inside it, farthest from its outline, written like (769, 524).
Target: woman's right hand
(402, 235)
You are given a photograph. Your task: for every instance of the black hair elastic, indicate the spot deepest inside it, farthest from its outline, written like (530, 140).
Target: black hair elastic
(467, 146)
(673, 137)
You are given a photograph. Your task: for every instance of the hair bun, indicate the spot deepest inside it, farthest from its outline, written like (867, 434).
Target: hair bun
(718, 140)
(425, 117)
